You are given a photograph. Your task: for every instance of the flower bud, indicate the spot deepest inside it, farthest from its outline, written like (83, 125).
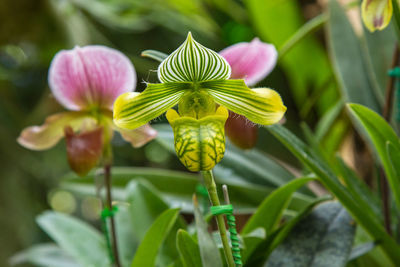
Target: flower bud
(241, 131)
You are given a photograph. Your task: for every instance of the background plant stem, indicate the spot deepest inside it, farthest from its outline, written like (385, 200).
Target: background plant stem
(212, 192)
(107, 183)
(387, 113)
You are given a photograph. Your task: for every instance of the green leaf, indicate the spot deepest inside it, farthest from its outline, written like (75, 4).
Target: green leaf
(328, 178)
(144, 201)
(328, 119)
(209, 252)
(145, 207)
(269, 213)
(277, 22)
(44, 255)
(188, 249)
(324, 236)
(69, 232)
(359, 190)
(393, 153)
(262, 105)
(308, 28)
(176, 188)
(192, 62)
(132, 110)
(128, 242)
(154, 54)
(379, 50)
(147, 251)
(348, 59)
(379, 133)
(275, 238)
(361, 250)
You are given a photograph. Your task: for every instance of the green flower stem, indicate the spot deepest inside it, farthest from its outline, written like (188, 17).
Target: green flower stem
(107, 158)
(212, 192)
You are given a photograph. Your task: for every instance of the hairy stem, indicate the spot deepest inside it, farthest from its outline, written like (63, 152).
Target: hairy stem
(212, 192)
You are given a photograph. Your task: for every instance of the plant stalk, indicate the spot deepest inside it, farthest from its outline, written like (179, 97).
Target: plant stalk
(212, 192)
(108, 203)
(387, 114)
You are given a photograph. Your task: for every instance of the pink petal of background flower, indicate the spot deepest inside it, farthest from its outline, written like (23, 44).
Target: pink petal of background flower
(250, 61)
(91, 76)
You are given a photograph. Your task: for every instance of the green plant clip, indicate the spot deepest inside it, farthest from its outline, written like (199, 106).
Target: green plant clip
(395, 72)
(228, 211)
(106, 213)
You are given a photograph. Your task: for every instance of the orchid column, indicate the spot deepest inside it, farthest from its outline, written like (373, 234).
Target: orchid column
(196, 79)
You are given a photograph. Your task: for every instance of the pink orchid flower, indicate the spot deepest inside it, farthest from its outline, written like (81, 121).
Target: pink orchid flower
(86, 81)
(252, 62)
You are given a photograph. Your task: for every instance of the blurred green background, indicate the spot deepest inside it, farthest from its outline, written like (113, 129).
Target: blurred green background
(32, 31)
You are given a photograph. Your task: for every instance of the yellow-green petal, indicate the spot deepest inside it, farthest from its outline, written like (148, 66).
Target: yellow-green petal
(132, 110)
(47, 135)
(376, 14)
(262, 105)
(199, 143)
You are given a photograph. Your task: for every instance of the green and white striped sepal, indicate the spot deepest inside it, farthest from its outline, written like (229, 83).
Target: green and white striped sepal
(192, 62)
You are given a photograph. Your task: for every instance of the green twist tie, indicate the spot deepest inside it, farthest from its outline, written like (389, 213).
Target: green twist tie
(395, 72)
(228, 211)
(106, 213)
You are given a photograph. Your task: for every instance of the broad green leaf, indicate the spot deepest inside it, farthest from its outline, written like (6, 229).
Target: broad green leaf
(359, 190)
(80, 240)
(176, 188)
(145, 206)
(324, 236)
(264, 248)
(209, 252)
(393, 153)
(192, 62)
(327, 120)
(262, 105)
(307, 29)
(154, 54)
(132, 110)
(379, 53)
(379, 133)
(361, 250)
(269, 213)
(188, 249)
(44, 255)
(371, 224)
(147, 251)
(276, 22)
(127, 241)
(348, 60)
(375, 257)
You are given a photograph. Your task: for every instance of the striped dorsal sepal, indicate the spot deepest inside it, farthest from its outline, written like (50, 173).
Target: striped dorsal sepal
(192, 62)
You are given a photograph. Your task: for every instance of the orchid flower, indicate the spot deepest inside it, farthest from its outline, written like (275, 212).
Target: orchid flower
(86, 81)
(197, 79)
(376, 14)
(252, 62)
